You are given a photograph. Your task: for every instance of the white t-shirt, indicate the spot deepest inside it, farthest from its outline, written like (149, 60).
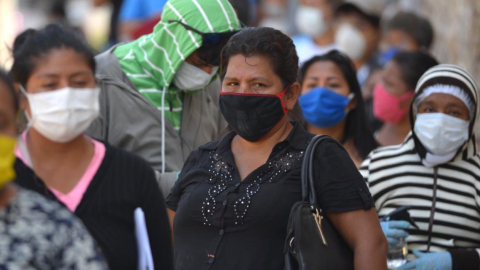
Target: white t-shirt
(307, 48)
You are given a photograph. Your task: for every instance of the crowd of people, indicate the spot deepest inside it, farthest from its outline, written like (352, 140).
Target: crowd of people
(183, 148)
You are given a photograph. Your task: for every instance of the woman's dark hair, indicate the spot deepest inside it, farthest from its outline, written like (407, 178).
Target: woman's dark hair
(413, 65)
(267, 42)
(31, 45)
(277, 47)
(414, 25)
(357, 127)
(6, 82)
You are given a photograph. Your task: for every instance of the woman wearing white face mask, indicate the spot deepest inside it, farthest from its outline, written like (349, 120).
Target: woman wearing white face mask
(314, 21)
(435, 171)
(100, 184)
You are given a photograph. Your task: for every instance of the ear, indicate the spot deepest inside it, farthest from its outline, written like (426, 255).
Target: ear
(292, 96)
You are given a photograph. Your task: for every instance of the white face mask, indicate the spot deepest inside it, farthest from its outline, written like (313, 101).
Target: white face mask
(350, 41)
(190, 77)
(441, 134)
(62, 115)
(310, 21)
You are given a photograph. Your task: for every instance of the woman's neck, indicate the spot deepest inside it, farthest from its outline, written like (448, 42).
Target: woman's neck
(265, 145)
(326, 39)
(392, 134)
(41, 148)
(337, 132)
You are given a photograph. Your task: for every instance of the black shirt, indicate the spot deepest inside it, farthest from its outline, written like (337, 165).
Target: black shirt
(223, 223)
(122, 183)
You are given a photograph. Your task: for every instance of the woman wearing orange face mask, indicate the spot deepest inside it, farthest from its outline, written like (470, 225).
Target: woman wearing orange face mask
(393, 94)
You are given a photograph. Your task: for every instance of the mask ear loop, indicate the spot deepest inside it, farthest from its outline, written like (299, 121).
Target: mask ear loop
(279, 96)
(350, 98)
(29, 119)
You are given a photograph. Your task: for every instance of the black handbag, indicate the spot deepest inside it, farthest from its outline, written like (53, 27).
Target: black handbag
(312, 241)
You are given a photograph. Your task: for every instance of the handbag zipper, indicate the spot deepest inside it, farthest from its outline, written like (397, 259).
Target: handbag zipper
(318, 220)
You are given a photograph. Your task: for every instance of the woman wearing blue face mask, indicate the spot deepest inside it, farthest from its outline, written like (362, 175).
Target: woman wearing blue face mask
(102, 185)
(435, 171)
(332, 103)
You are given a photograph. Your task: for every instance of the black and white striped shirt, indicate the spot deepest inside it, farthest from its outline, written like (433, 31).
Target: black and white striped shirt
(397, 177)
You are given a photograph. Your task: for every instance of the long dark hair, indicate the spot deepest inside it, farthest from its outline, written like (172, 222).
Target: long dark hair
(357, 127)
(31, 45)
(413, 65)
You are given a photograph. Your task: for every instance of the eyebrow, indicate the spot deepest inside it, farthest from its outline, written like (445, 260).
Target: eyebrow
(52, 75)
(252, 79)
(456, 104)
(328, 78)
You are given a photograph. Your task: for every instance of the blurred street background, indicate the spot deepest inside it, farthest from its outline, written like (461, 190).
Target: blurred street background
(106, 22)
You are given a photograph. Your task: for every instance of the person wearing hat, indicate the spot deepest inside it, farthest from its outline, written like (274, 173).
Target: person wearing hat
(358, 33)
(436, 171)
(159, 94)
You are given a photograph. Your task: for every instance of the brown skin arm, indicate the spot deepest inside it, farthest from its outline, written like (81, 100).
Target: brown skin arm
(171, 216)
(362, 232)
(98, 3)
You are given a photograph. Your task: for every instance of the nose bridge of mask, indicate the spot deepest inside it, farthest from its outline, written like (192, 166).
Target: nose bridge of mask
(279, 96)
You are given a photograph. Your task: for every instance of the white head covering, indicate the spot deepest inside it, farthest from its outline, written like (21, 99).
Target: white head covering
(446, 89)
(453, 80)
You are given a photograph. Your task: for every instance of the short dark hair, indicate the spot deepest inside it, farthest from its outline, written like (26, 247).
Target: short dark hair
(33, 44)
(413, 65)
(6, 82)
(268, 42)
(411, 24)
(357, 127)
(349, 8)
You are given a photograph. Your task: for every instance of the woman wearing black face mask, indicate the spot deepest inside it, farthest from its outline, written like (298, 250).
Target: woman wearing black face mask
(230, 206)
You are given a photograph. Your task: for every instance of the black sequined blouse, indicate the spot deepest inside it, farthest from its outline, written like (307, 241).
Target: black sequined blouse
(224, 223)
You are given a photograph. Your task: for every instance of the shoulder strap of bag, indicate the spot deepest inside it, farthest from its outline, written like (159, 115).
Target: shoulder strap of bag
(308, 179)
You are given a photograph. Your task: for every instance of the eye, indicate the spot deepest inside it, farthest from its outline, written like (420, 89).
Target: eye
(48, 85)
(259, 85)
(427, 110)
(333, 85)
(454, 113)
(232, 84)
(80, 83)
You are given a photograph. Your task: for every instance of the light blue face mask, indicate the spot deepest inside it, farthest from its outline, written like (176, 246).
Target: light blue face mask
(324, 108)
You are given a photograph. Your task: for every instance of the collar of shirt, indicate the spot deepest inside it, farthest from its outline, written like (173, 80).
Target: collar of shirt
(296, 139)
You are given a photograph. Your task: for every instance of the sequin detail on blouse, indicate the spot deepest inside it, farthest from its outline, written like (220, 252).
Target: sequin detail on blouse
(221, 175)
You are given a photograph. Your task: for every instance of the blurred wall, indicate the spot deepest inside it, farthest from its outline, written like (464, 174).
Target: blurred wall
(457, 30)
(8, 27)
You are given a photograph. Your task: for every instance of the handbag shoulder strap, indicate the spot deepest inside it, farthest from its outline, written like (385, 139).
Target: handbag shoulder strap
(308, 184)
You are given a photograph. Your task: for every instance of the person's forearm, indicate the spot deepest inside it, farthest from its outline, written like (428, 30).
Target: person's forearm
(371, 255)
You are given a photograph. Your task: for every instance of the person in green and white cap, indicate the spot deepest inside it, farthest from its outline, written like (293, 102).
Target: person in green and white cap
(160, 93)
